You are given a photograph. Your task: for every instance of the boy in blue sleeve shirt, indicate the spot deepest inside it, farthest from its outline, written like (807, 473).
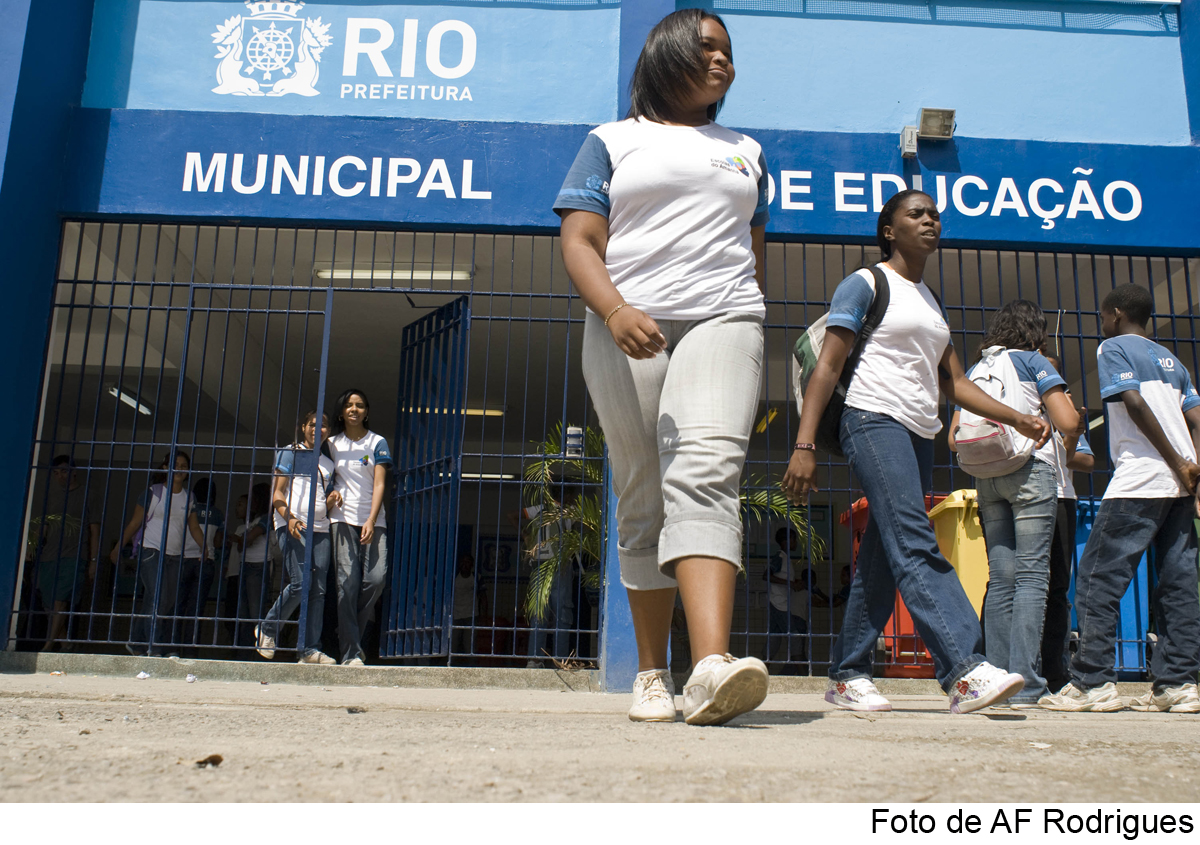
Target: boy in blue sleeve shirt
(1154, 437)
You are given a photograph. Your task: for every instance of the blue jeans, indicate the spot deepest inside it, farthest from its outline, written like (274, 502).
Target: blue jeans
(1018, 514)
(360, 574)
(293, 591)
(159, 577)
(1056, 631)
(899, 550)
(781, 624)
(195, 583)
(1124, 529)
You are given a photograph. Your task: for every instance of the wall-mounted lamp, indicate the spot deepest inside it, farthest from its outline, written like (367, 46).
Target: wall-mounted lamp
(932, 125)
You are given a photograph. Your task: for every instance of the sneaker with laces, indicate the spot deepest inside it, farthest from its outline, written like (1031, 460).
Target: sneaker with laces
(857, 694)
(1180, 699)
(266, 645)
(317, 658)
(984, 686)
(1072, 699)
(722, 687)
(653, 697)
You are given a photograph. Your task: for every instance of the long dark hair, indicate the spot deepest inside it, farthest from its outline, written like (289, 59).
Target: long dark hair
(671, 62)
(887, 214)
(1018, 325)
(309, 417)
(339, 424)
(166, 471)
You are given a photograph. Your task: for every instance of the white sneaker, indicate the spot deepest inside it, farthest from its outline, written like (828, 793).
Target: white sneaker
(653, 697)
(984, 686)
(354, 661)
(1101, 699)
(722, 687)
(856, 694)
(266, 645)
(317, 658)
(1180, 699)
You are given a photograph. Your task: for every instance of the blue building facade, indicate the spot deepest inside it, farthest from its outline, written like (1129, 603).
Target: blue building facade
(318, 176)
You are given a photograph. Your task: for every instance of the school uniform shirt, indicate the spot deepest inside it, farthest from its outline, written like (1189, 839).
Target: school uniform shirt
(154, 504)
(1066, 478)
(780, 566)
(1130, 362)
(354, 476)
(897, 373)
(299, 485)
(211, 521)
(1037, 377)
(680, 202)
(256, 550)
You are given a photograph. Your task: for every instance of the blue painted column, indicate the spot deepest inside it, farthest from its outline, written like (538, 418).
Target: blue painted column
(618, 646)
(43, 56)
(1189, 47)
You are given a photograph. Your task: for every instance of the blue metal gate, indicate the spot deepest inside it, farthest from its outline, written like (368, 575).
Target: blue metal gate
(429, 438)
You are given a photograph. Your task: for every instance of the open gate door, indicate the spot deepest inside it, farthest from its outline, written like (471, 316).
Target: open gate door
(429, 437)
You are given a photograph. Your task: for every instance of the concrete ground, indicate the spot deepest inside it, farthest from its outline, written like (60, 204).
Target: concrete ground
(82, 737)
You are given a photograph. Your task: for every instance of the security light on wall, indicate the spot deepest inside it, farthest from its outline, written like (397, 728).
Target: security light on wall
(932, 125)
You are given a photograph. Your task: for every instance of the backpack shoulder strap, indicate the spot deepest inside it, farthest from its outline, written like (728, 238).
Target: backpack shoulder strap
(879, 306)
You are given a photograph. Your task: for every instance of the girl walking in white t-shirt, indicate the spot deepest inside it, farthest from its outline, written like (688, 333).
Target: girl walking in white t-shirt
(887, 432)
(358, 523)
(662, 234)
(161, 517)
(293, 492)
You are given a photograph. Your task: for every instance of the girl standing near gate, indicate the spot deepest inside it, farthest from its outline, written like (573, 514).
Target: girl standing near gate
(361, 460)
(662, 235)
(887, 432)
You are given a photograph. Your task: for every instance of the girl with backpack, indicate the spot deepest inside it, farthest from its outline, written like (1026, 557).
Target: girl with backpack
(663, 216)
(887, 431)
(1018, 493)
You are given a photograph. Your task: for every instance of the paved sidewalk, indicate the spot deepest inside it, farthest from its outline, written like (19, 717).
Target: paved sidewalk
(74, 737)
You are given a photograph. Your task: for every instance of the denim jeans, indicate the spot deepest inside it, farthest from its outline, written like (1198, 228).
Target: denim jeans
(1056, 630)
(781, 624)
(293, 591)
(899, 550)
(1124, 529)
(159, 577)
(1018, 514)
(360, 574)
(252, 592)
(195, 583)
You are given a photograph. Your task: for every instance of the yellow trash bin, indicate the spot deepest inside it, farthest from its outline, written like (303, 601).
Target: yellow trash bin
(960, 537)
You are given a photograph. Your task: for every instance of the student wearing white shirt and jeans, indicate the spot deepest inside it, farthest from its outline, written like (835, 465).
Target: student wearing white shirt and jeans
(887, 432)
(293, 490)
(160, 515)
(663, 217)
(359, 527)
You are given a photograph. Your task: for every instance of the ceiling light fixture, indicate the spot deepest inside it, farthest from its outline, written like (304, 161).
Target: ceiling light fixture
(411, 274)
(131, 401)
(468, 412)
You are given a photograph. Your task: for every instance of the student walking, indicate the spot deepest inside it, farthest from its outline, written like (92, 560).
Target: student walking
(161, 516)
(361, 459)
(1153, 436)
(293, 491)
(1018, 508)
(887, 431)
(662, 235)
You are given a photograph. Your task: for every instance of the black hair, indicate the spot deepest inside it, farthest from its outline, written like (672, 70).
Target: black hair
(1136, 303)
(309, 417)
(204, 491)
(63, 460)
(784, 533)
(671, 62)
(1018, 325)
(260, 500)
(165, 470)
(339, 424)
(886, 214)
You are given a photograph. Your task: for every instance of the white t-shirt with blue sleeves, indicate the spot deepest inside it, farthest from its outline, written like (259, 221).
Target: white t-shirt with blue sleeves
(1132, 362)
(897, 373)
(680, 202)
(300, 484)
(1066, 478)
(354, 477)
(1037, 377)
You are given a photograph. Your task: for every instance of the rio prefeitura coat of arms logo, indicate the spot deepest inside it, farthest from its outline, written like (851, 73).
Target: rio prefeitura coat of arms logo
(271, 52)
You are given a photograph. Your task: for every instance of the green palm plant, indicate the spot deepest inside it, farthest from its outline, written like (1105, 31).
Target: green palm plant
(552, 546)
